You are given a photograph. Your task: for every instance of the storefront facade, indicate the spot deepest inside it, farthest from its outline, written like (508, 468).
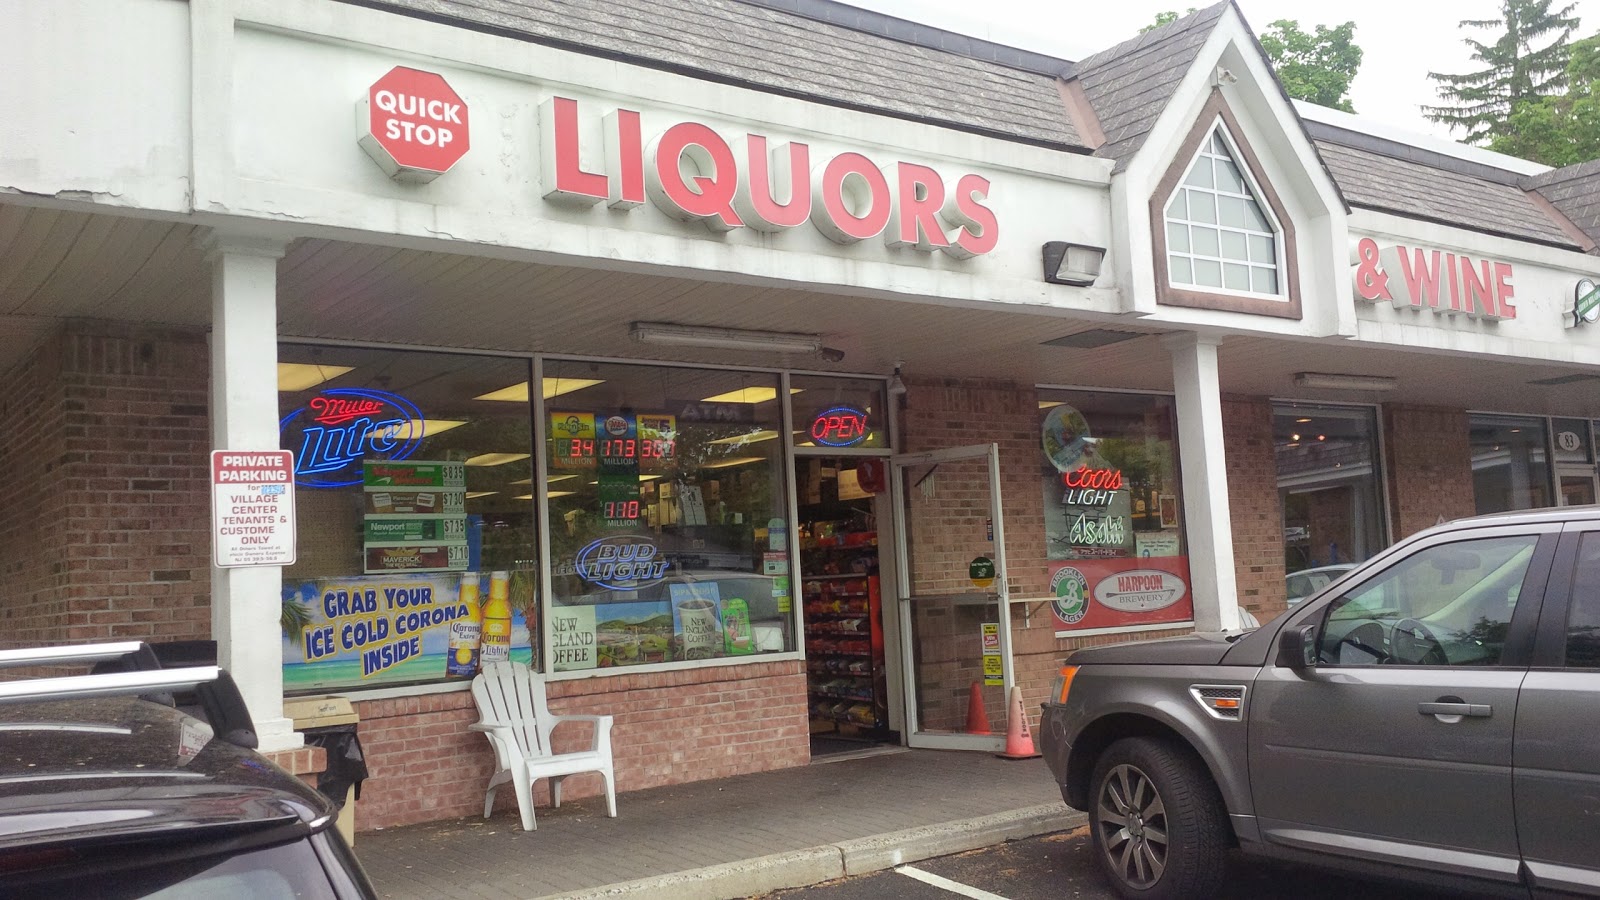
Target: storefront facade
(772, 418)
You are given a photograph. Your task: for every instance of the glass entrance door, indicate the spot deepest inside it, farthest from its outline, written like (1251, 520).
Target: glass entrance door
(1576, 486)
(952, 597)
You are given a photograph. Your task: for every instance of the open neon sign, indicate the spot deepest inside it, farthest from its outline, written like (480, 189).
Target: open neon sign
(341, 426)
(841, 426)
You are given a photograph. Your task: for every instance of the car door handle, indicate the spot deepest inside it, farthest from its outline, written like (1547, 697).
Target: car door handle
(1454, 708)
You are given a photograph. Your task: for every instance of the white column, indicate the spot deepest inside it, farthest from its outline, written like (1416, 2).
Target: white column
(246, 601)
(1202, 454)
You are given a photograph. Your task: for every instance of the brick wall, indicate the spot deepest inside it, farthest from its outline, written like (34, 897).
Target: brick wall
(1428, 458)
(33, 519)
(671, 728)
(1253, 505)
(110, 538)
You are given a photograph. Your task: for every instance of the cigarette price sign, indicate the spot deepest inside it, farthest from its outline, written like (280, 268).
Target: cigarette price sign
(252, 508)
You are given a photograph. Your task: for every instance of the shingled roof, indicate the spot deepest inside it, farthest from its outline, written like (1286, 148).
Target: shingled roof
(1130, 84)
(924, 74)
(1575, 192)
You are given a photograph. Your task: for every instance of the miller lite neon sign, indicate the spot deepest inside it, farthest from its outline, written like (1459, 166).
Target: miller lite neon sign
(340, 427)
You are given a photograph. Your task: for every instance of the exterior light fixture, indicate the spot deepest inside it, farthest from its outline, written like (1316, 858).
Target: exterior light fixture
(1334, 382)
(1074, 264)
(726, 338)
(897, 385)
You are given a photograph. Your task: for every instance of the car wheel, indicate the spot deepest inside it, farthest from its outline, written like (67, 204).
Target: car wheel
(1157, 824)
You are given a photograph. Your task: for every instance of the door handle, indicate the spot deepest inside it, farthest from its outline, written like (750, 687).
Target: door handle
(1454, 708)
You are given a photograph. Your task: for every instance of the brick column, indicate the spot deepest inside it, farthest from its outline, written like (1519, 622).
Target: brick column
(246, 601)
(1428, 455)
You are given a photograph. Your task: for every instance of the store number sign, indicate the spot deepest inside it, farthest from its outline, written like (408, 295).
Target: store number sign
(252, 508)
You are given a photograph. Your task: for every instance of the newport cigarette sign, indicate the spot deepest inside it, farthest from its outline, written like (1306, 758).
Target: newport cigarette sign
(252, 507)
(413, 124)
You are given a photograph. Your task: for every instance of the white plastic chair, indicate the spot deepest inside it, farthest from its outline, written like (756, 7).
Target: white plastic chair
(514, 716)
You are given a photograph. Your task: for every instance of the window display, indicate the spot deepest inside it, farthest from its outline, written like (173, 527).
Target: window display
(839, 412)
(1329, 486)
(1510, 465)
(1113, 529)
(668, 523)
(414, 508)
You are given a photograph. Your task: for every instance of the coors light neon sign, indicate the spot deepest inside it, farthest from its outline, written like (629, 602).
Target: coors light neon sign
(691, 172)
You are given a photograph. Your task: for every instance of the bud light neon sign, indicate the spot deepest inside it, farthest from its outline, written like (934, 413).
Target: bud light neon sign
(841, 426)
(340, 427)
(621, 563)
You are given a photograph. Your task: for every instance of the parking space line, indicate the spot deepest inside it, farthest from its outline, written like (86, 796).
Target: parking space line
(954, 887)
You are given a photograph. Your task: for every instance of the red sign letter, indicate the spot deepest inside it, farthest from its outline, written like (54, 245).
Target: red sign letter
(561, 170)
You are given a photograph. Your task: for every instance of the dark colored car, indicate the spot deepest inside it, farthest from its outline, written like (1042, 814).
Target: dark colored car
(1431, 715)
(105, 794)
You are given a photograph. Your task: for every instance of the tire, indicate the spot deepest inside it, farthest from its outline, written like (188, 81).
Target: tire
(1172, 842)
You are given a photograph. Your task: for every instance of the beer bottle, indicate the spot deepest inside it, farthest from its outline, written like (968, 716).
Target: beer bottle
(497, 619)
(466, 632)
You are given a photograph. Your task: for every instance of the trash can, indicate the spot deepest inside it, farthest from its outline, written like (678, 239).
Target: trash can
(330, 723)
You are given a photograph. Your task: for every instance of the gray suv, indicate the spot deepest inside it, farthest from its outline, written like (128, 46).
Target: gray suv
(1432, 714)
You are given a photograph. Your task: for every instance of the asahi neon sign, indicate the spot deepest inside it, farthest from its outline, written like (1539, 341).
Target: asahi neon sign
(340, 427)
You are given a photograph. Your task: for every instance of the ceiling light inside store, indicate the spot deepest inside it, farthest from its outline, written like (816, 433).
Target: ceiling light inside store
(1094, 337)
(424, 428)
(553, 387)
(304, 376)
(725, 338)
(735, 461)
(748, 395)
(473, 495)
(1051, 404)
(495, 459)
(1302, 420)
(1335, 382)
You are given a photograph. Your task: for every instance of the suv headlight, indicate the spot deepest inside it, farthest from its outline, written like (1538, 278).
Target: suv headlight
(1063, 684)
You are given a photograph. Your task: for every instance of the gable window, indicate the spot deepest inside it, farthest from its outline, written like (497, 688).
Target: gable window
(1219, 233)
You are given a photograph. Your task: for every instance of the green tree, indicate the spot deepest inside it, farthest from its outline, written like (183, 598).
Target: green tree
(1165, 18)
(1514, 72)
(1565, 128)
(1316, 67)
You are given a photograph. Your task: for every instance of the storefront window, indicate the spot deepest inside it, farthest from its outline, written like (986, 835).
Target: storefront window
(668, 523)
(415, 516)
(1509, 465)
(1113, 522)
(1329, 488)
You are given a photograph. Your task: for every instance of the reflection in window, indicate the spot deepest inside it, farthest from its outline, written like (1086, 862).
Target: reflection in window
(1448, 605)
(1328, 483)
(668, 534)
(1218, 232)
(1509, 465)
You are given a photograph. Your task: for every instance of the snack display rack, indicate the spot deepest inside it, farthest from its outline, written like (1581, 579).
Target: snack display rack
(844, 633)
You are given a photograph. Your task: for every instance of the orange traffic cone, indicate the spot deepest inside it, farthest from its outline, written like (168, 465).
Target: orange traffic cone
(1019, 740)
(977, 719)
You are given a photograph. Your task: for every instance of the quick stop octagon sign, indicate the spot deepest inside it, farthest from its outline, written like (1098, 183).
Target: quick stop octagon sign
(413, 124)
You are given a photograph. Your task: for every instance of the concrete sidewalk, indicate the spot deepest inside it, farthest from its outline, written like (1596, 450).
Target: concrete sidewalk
(729, 838)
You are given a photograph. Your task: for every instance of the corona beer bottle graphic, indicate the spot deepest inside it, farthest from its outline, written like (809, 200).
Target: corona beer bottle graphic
(466, 632)
(497, 619)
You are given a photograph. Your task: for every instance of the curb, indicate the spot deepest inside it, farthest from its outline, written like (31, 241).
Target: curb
(801, 868)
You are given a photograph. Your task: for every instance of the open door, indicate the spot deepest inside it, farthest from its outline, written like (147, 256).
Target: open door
(952, 596)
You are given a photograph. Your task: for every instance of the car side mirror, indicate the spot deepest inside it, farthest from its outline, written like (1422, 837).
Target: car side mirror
(1297, 648)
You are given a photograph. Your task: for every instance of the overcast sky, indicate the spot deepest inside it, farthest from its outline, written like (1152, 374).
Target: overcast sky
(1403, 40)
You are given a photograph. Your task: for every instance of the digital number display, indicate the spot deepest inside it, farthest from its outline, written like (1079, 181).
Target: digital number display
(578, 448)
(622, 509)
(633, 448)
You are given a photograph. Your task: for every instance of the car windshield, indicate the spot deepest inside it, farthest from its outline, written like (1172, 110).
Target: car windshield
(288, 871)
